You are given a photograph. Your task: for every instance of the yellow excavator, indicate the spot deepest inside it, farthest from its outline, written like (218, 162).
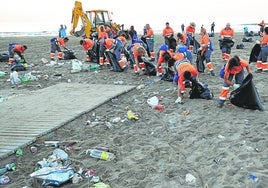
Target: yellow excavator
(91, 20)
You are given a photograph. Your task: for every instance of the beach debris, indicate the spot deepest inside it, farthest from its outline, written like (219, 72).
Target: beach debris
(186, 112)
(2, 74)
(90, 173)
(120, 82)
(190, 179)
(55, 170)
(131, 115)
(33, 149)
(4, 180)
(11, 167)
(139, 87)
(53, 175)
(94, 67)
(101, 185)
(3, 171)
(253, 178)
(101, 154)
(153, 101)
(19, 152)
(44, 60)
(95, 179)
(172, 121)
(76, 178)
(56, 143)
(147, 83)
(52, 63)
(108, 125)
(76, 66)
(159, 107)
(116, 119)
(217, 161)
(221, 137)
(14, 78)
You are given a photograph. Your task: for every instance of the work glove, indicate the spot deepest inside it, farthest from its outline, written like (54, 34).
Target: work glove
(179, 100)
(236, 86)
(131, 115)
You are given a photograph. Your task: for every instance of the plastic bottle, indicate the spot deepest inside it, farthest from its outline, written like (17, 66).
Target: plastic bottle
(103, 155)
(11, 167)
(94, 67)
(4, 180)
(2, 74)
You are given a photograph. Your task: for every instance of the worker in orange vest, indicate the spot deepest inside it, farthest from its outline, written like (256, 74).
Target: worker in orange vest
(234, 68)
(87, 44)
(182, 38)
(168, 34)
(138, 51)
(18, 49)
(149, 36)
(114, 46)
(206, 50)
(163, 55)
(186, 73)
(102, 35)
(262, 25)
(226, 41)
(262, 61)
(55, 45)
(190, 32)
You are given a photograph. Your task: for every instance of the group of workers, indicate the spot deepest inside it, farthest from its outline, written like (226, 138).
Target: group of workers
(179, 59)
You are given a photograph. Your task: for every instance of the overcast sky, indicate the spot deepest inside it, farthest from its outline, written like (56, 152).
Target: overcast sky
(47, 15)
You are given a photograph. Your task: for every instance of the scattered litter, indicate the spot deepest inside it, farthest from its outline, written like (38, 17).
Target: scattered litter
(190, 179)
(153, 101)
(131, 115)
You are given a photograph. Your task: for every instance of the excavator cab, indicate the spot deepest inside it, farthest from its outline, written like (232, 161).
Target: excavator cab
(99, 17)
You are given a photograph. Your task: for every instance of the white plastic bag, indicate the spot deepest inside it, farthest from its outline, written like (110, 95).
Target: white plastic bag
(153, 101)
(14, 78)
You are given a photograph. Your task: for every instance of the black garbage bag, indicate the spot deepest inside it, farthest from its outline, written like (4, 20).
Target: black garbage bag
(150, 68)
(200, 90)
(246, 96)
(114, 63)
(196, 46)
(200, 62)
(17, 66)
(68, 54)
(226, 42)
(4, 57)
(169, 75)
(254, 53)
(172, 43)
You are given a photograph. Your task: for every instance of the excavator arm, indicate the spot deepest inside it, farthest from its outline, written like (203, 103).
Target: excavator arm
(77, 14)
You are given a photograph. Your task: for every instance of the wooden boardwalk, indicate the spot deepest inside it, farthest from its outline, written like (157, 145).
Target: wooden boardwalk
(25, 118)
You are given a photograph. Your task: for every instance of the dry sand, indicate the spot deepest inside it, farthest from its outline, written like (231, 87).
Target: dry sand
(219, 147)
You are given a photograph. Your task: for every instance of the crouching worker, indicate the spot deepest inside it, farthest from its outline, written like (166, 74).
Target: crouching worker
(233, 68)
(163, 55)
(138, 52)
(115, 47)
(186, 73)
(16, 52)
(87, 45)
(55, 45)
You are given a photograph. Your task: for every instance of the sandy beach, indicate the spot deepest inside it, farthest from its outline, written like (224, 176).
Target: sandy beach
(195, 144)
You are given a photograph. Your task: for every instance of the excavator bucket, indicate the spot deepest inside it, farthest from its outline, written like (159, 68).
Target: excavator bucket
(80, 33)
